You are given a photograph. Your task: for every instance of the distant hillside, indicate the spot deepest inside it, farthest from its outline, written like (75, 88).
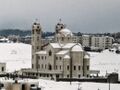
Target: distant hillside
(7, 32)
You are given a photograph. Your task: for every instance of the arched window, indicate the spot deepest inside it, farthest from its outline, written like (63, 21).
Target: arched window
(50, 53)
(38, 31)
(32, 31)
(49, 67)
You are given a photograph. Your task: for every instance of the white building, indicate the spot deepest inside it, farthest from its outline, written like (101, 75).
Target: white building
(86, 40)
(61, 59)
(101, 42)
(96, 42)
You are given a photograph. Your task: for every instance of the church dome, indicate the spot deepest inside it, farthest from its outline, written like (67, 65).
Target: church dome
(77, 48)
(66, 32)
(86, 57)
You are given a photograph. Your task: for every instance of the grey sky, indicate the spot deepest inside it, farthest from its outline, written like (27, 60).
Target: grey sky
(78, 15)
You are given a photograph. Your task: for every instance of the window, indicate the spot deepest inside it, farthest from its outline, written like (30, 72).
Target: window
(49, 67)
(79, 76)
(2, 68)
(74, 67)
(67, 67)
(67, 76)
(79, 67)
(68, 38)
(87, 67)
(42, 57)
(60, 58)
(60, 67)
(56, 58)
(87, 75)
(38, 27)
(37, 47)
(57, 76)
(50, 53)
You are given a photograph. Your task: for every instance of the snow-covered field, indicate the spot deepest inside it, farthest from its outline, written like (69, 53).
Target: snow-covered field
(15, 55)
(106, 62)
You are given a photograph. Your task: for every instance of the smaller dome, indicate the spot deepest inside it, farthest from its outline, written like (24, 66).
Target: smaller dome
(77, 48)
(66, 32)
(66, 57)
(86, 57)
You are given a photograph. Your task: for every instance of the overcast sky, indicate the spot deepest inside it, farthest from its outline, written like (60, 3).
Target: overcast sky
(78, 15)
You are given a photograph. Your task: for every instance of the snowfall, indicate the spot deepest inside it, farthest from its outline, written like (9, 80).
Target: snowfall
(18, 55)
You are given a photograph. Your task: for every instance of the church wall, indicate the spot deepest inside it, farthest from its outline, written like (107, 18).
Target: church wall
(77, 64)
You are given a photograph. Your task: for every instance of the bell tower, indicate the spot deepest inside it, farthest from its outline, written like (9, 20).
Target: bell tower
(58, 27)
(36, 41)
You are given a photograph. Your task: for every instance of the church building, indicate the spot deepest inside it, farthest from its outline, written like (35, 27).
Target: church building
(62, 59)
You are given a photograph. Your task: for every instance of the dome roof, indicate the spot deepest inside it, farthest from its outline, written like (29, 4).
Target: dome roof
(86, 57)
(66, 57)
(66, 32)
(77, 48)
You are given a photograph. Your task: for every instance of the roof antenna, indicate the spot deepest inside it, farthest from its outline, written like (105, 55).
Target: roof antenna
(60, 20)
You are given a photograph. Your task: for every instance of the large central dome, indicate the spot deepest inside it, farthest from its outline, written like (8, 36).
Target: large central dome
(66, 32)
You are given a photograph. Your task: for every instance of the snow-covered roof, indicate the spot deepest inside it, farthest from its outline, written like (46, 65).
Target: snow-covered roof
(86, 57)
(41, 52)
(77, 48)
(62, 52)
(66, 57)
(69, 45)
(56, 45)
(86, 35)
(66, 32)
(4, 39)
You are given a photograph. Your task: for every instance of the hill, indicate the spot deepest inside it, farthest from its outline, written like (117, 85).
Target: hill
(15, 55)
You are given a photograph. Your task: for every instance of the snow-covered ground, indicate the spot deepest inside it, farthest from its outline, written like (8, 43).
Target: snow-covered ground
(52, 85)
(105, 61)
(15, 55)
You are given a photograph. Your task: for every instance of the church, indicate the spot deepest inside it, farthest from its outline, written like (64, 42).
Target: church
(63, 58)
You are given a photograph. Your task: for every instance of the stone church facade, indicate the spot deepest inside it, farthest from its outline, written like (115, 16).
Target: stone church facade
(62, 59)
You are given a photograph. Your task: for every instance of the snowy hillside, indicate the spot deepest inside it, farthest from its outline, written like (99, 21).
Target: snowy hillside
(16, 55)
(105, 62)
